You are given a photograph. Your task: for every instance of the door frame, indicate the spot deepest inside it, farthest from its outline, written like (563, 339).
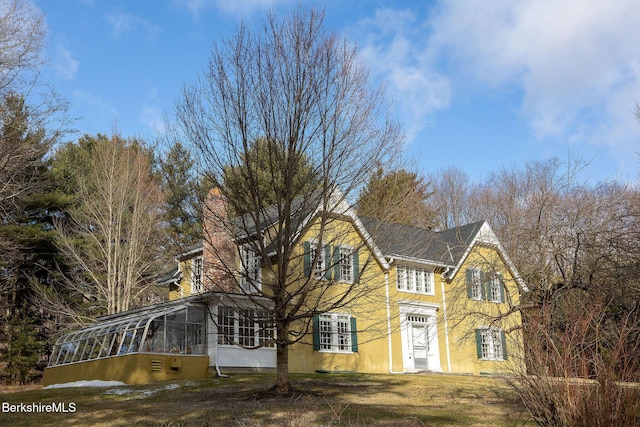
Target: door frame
(427, 311)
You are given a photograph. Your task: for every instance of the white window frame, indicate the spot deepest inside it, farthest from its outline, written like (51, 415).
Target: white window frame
(491, 343)
(320, 267)
(476, 284)
(197, 270)
(345, 264)
(335, 333)
(495, 291)
(251, 264)
(416, 280)
(245, 327)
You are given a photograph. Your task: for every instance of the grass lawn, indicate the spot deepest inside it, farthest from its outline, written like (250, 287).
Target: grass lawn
(320, 400)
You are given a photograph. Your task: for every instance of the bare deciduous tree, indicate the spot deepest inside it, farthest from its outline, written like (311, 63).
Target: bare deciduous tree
(576, 246)
(113, 235)
(22, 36)
(306, 92)
(450, 200)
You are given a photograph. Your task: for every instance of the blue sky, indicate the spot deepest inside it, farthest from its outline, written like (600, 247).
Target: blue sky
(480, 85)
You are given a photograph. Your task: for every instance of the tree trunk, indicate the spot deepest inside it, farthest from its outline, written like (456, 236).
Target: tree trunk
(283, 386)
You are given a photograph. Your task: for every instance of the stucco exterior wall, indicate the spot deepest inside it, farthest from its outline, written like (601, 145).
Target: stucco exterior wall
(466, 315)
(369, 309)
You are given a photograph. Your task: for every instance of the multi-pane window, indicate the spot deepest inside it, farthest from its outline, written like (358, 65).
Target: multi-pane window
(411, 279)
(487, 286)
(196, 274)
(345, 264)
(339, 263)
(490, 344)
(316, 253)
(474, 283)
(251, 270)
(246, 327)
(495, 288)
(226, 325)
(335, 332)
(266, 329)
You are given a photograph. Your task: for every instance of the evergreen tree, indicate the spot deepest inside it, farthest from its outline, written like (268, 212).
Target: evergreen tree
(258, 176)
(23, 350)
(184, 194)
(397, 196)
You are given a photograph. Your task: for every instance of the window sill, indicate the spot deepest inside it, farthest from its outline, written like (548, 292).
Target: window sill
(337, 351)
(429, 294)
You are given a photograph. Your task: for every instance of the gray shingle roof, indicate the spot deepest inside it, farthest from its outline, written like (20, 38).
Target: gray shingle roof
(445, 247)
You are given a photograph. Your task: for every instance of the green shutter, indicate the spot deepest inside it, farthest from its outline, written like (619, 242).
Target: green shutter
(469, 282)
(315, 331)
(479, 343)
(502, 290)
(356, 267)
(354, 335)
(327, 262)
(336, 263)
(307, 259)
(504, 345)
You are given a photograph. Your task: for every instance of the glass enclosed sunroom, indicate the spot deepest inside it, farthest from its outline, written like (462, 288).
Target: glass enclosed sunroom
(164, 341)
(188, 338)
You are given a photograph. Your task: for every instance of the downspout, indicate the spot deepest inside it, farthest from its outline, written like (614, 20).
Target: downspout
(386, 286)
(178, 282)
(444, 315)
(214, 338)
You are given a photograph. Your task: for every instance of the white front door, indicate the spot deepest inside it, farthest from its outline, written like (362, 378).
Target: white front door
(420, 343)
(419, 335)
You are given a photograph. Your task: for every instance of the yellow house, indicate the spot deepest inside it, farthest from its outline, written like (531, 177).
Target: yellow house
(379, 298)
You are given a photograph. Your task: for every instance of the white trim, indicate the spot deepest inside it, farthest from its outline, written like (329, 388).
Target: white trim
(491, 343)
(389, 341)
(197, 277)
(485, 235)
(349, 250)
(334, 333)
(428, 283)
(409, 309)
(446, 325)
(407, 259)
(188, 254)
(249, 284)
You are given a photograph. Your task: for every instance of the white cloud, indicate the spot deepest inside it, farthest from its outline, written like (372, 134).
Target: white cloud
(152, 117)
(103, 115)
(236, 7)
(122, 22)
(151, 114)
(64, 63)
(395, 47)
(249, 6)
(571, 60)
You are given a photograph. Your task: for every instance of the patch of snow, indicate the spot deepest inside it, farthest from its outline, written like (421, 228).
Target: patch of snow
(119, 391)
(85, 383)
(143, 393)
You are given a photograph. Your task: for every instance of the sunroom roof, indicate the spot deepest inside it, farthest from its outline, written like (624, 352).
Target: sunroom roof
(179, 324)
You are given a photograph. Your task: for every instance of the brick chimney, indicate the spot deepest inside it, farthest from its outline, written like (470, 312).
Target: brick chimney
(219, 251)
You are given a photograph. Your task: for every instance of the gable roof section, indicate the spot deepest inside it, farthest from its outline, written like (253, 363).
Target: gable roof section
(447, 248)
(442, 248)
